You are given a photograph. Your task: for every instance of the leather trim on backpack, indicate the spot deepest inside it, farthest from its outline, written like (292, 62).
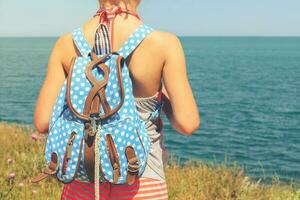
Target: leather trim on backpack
(96, 95)
(97, 86)
(89, 157)
(113, 157)
(133, 165)
(78, 162)
(51, 169)
(68, 152)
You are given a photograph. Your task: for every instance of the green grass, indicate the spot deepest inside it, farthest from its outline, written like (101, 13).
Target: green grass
(21, 155)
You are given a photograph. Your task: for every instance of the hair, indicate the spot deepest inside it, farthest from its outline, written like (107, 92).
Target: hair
(102, 3)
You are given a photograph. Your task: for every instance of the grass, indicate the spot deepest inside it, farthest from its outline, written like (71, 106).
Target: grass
(21, 157)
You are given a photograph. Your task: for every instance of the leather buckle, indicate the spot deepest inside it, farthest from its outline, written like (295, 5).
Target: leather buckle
(133, 168)
(49, 171)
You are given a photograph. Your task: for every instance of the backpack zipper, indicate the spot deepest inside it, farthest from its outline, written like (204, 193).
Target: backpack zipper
(113, 156)
(68, 152)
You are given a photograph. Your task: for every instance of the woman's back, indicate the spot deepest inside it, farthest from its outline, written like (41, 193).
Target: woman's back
(158, 72)
(145, 63)
(158, 59)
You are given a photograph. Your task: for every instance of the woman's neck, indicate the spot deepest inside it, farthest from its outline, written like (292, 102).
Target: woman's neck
(125, 4)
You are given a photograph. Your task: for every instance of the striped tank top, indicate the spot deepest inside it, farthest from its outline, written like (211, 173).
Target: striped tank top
(158, 155)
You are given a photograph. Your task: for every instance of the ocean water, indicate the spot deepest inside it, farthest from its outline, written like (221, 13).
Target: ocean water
(247, 90)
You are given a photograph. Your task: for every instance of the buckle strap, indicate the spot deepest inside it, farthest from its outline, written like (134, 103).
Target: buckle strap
(51, 169)
(133, 165)
(68, 152)
(89, 155)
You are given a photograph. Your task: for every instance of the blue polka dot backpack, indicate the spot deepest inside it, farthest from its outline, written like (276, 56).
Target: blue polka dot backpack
(95, 132)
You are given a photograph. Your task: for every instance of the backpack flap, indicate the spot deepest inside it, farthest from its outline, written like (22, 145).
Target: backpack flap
(89, 87)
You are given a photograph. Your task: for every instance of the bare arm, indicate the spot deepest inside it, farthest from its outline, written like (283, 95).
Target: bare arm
(49, 91)
(180, 106)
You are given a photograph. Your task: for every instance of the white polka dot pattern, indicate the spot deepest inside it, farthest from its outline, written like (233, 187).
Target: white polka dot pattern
(125, 126)
(81, 42)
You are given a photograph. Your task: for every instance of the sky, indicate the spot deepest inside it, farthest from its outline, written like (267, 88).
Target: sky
(182, 17)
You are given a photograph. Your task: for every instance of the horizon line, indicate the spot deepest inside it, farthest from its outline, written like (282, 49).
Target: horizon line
(18, 36)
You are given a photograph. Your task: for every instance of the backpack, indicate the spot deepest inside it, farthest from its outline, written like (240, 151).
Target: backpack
(95, 132)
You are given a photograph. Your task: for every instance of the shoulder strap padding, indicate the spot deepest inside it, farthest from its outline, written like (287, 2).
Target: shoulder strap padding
(81, 42)
(134, 40)
(128, 47)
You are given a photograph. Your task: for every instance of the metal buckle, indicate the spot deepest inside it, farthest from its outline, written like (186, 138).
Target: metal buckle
(91, 127)
(133, 168)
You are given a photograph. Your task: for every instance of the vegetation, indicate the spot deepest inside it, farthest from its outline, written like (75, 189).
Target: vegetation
(22, 157)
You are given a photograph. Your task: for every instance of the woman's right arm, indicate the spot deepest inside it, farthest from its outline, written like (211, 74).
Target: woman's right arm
(180, 105)
(53, 82)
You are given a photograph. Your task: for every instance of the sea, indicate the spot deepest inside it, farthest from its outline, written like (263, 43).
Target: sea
(247, 90)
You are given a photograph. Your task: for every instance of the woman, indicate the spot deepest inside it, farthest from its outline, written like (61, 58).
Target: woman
(158, 71)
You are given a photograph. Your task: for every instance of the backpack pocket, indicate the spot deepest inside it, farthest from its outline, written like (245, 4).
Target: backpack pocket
(115, 139)
(66, 141)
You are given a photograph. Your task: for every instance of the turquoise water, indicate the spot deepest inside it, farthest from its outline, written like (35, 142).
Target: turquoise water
(247, 90)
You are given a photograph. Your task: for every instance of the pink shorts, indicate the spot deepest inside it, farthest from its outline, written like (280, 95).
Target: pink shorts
(142, 189)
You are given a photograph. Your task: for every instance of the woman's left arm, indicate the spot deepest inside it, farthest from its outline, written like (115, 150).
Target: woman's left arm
(50, 89)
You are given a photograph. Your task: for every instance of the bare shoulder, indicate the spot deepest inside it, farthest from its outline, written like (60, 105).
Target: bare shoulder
(64, 49)
(166, 43)
(64, 39)
(167, 46)
(64, 43)
(164, 39)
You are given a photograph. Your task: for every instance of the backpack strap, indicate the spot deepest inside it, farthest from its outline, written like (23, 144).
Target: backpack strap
(81, 42)
(134, 40)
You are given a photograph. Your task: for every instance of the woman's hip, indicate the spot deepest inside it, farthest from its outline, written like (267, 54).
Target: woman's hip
(141, 189)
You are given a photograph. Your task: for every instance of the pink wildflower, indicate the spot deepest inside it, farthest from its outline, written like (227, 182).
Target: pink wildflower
(34, 137)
